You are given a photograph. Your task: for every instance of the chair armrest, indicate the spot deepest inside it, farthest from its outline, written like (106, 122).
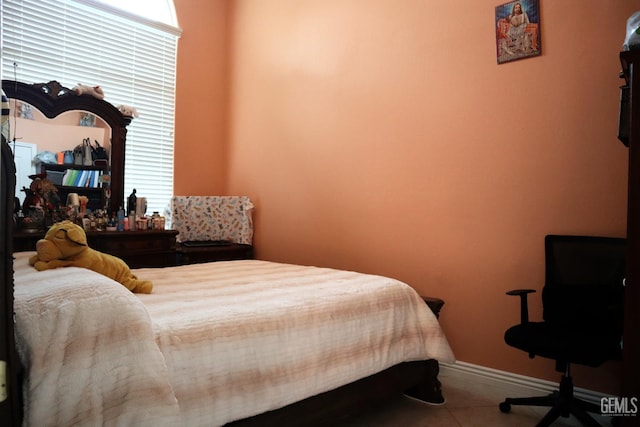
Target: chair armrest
(524, 307)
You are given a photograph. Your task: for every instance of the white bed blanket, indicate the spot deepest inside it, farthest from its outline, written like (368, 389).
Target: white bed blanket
(90, 351)
(214, 342)
(244, 337)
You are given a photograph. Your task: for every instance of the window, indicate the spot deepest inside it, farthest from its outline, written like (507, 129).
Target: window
(132, 58)
(158, 11)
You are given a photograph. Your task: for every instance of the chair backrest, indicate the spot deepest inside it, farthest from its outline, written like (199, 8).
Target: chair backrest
(584, 283)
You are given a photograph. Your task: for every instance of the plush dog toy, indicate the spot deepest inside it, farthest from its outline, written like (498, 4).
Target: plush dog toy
(65, 245)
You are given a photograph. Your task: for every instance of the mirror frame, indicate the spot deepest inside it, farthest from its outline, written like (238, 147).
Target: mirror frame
(53, 99)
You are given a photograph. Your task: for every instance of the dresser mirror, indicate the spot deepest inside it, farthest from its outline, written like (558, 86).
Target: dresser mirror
(50, 117)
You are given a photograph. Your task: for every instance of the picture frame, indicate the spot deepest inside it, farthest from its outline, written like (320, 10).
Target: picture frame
(517, 25)
(88, 120)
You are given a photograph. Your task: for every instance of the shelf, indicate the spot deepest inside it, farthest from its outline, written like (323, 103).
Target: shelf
(64, 167)
(95, 194)
(77, 189)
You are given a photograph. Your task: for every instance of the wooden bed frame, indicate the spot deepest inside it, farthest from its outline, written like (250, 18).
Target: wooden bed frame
(349, 400)
(420, 377)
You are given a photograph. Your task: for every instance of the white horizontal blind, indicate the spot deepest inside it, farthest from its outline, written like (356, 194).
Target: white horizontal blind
(134, 63)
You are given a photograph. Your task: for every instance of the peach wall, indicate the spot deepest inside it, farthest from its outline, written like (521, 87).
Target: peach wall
(201, 98)
(58, 134)
(382, 136)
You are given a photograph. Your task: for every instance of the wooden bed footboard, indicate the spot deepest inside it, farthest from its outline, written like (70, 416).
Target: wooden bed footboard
(351, 399)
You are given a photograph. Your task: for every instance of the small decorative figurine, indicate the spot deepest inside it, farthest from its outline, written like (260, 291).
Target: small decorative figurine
(131, 201)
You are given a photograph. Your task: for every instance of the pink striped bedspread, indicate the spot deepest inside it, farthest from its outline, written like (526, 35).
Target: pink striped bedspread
(239, 338)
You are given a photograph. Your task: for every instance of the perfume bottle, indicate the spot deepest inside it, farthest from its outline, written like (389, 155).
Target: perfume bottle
(120, 223)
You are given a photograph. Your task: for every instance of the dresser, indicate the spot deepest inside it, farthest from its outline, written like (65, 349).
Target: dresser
(151, 248)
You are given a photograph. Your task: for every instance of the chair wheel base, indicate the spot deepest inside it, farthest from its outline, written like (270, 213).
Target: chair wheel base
(505, 407)
(562, 403)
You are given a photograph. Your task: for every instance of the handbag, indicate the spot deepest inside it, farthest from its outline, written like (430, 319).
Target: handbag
(82, 154)
(99, 152)
(68, 158)
(87, 156)
(77, 155)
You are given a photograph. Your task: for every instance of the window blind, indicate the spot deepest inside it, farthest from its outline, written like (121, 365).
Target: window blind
(73, 42)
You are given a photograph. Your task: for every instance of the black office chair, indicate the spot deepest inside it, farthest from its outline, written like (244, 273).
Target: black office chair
(582, 302)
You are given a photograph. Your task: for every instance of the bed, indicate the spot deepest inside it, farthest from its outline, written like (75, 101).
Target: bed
(213, 344)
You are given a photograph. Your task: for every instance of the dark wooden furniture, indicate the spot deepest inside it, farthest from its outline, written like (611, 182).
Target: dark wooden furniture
(150, 248)
(53, 99)
(10, 366)
(435, 304)
(430, 389)
(631, 113)
(25, 241)
(337, 406)
(199, 254)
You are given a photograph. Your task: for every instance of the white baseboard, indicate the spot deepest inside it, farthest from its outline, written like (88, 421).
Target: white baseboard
(535, 384)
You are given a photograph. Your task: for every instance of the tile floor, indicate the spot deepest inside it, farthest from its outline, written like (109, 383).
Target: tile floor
(472, 401)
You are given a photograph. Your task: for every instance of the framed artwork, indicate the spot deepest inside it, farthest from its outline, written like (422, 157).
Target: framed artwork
(517, 30)
(87, 119)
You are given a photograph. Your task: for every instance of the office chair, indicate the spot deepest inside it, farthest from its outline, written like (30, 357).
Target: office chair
(582, 303)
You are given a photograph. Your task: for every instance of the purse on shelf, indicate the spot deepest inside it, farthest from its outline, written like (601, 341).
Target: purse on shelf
(83, 153)
(77, 155)
(87, 154)
(99, 152)
(68, 158)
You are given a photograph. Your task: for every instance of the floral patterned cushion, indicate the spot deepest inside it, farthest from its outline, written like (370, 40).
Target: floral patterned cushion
(212, 218)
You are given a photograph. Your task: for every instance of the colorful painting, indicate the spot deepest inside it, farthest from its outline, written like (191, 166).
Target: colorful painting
(517, 30)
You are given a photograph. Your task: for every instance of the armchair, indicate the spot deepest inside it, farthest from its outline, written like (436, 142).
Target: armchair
(582, 303)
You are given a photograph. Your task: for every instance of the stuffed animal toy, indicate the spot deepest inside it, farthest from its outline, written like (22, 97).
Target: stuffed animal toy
(65, 245)
(95, 91)
(128, 111)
